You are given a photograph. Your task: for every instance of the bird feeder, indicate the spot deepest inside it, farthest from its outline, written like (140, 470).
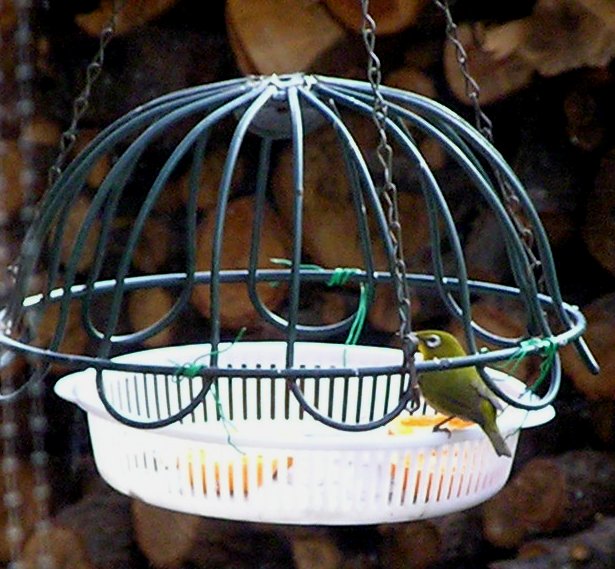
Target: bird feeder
(302, 427)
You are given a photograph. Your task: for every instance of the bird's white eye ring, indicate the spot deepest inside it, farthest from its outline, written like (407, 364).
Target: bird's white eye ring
(433, 341)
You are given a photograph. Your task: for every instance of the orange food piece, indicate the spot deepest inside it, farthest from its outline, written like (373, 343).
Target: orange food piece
(426, 465)
(228, 469)
(406, 425)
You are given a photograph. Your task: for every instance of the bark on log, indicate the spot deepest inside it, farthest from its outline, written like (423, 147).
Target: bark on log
(440, 542)
(345, 58)
(546, 166)
(279, 36)
(600, 316)
(503, 317)
(139, 66)
(133, 14)
(211, 175)
(95, 533)
(556, 37)
(563, 493)
(316, 549)
(63, 546)
(27, 510)
(11, 166)
(75, 338)
(414, 80)
(549, 169)
(391, 16)
(41, 131)
(24, 164)
(236, 309)
(172, 540)
(497, 77)
(165, 537)
(101, 168)
(588, 110)
(593, 548)
(154, 246)
(602, 420)
(71, 228)
(177, 192)
(332, 307)
(486, 255)
(146, 307)
(604, 9)
(8, 17)
(599, 224)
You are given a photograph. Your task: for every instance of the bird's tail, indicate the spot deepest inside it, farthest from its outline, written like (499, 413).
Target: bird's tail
(498, 442)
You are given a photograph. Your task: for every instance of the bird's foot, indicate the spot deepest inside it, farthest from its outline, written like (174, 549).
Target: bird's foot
(439, 429)
(414, 403)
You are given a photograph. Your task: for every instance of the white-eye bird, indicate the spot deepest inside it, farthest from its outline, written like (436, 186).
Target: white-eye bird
(458, 392)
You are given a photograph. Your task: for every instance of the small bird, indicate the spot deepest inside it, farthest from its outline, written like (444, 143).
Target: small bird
(458, 392)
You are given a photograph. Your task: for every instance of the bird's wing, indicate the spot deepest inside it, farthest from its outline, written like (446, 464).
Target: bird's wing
(460, 404)
(486, 393)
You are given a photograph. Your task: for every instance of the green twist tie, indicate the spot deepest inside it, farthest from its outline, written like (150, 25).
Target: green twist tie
(289, 263)
(512, 363)
(340, 277)
(194, 368)
(225, 422)
(545, 347)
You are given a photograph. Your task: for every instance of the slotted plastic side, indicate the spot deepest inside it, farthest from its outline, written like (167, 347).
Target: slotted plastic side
(264, 395)
(248, 451)
(334, 486)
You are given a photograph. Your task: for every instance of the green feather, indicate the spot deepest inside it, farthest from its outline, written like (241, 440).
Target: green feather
(459, 392)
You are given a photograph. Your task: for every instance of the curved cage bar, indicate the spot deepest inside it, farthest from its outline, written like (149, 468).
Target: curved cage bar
(271, 127)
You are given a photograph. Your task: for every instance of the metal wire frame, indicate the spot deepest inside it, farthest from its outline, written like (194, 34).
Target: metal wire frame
(299, 102)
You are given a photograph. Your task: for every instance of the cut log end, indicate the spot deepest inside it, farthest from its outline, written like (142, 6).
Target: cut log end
(561, 493)
(498, 76)
(391, 16)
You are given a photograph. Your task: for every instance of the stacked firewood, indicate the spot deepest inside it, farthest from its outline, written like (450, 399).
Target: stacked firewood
(546, 80)
(555, 510)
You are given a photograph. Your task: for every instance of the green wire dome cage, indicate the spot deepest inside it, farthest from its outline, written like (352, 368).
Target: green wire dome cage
(258, 430)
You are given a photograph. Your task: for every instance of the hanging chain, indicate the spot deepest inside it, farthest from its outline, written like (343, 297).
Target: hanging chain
(12, 497)
(37, 418)
(389, 196)
(485, 127)
(4, 217)
(82, 101)
(9, 431)
(39, 458)
(472, 90)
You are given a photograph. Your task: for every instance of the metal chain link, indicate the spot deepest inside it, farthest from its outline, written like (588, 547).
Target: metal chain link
(24, 74)
(38, 423)
(4, 217)
(472, 90)
(485, 127)
(389, 195)
(39, 459)
(37, 418)
(9, 432)
(82, 101)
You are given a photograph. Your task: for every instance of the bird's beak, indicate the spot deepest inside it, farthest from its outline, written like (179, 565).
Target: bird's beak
(421, 347)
